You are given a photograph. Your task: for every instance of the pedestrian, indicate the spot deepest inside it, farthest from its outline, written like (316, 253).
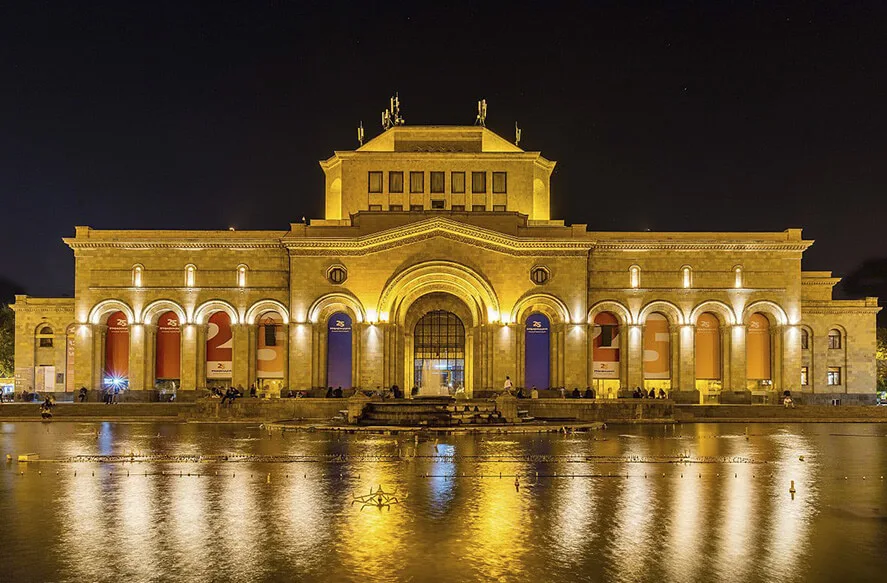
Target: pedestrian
(589, 394)
(508, 384)
(576, 394)
(83, 393)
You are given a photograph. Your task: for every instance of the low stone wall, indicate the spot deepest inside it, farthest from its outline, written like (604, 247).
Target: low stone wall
(753, 413)
(73, 411)
(622, 410)
(267, 409)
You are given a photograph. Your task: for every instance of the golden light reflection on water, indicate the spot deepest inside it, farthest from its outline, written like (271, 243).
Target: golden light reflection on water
(452, 527)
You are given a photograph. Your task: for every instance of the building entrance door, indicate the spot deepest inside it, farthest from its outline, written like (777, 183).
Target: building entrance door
(439, 354)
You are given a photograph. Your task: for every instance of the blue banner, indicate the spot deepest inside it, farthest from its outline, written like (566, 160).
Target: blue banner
(338, 351)
(537, 352)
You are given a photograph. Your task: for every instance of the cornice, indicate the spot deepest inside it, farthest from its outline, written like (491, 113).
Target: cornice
(181, 244)
(700, 246)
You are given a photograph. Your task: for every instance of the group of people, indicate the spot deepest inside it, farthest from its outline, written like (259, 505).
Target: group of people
(640, 393)
(230, 393)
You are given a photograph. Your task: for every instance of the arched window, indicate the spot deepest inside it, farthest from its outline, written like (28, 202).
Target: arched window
(190, 275)
(805, 339)
(834, 339)
(686, 276)
(44, 337)
(634, 276)
(737, 276)
(241, 275)
(137, 275)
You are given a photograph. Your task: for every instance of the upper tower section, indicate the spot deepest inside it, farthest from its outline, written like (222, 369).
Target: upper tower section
(428, 168)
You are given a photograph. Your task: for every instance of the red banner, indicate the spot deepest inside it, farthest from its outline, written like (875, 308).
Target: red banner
(117, 347)
(169, 347)
(219, 344)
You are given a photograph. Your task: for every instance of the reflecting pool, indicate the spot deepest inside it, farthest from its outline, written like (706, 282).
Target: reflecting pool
(702, 502)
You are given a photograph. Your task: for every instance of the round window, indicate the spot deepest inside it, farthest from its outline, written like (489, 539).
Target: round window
(539, 275)
(337, 274)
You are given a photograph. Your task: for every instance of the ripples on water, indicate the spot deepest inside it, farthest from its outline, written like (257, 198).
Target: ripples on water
(717, 521)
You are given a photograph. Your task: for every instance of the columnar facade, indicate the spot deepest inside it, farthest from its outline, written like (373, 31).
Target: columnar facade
(438, 267)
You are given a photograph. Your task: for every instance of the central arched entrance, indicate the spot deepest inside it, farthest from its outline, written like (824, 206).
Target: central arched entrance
(439, 353)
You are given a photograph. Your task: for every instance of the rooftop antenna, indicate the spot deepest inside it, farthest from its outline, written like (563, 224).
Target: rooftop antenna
(517, 132)
(481, 113)
(360, 134)
(391, 117)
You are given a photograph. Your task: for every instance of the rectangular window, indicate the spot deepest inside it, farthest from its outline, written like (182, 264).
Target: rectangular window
(458, 207)
(417, 182)
(395, 182)
(499, 208)
(608, 332)
(396, 207)
(457, 182)
(834, 375)
(478, 208)
(805, 340)
(417, 207)
(804, 378)
(437, 182)
(375, 207)
(374, 182)
(500, 182)
(834, 340)
(479, 182)
(437, 204)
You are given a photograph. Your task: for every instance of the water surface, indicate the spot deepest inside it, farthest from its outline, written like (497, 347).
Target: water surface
(613, 505)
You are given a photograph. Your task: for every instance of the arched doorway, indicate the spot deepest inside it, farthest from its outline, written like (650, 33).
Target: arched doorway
(537, 352)
(708, 357)
(339, 351)
(439, 353)
(605, 355)
(168, 352)
(219, 350)
(116, 372)
(657, 353)
(758, 353)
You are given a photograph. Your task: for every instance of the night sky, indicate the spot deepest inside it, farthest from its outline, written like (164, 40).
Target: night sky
(696, 116)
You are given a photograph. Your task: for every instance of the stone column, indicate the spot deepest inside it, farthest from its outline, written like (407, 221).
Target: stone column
(737, 358)
(240, 356)
(635, 356)
(100, 332)
(200, 357)
(84, 357)
(189, 359)
(675, 367)
(725, 357)
(688, 357)
(252, 343)
(300, 362)
(136, 357)
(150, 356)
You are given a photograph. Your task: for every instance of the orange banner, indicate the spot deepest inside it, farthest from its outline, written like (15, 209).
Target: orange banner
(605, 346)
(708, 347)
(169, 347)
(757, 346)
(657, 347)
(270, 357)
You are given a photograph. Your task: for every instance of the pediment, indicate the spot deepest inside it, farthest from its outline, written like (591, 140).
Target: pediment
(433, 228)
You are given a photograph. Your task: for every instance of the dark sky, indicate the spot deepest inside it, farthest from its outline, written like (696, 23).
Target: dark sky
(695, 116)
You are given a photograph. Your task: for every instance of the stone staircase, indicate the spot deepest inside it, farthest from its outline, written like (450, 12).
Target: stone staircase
(435, 412)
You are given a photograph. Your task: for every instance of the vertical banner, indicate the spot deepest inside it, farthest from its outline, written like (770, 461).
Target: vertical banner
(219, 344)
(338, 351)
(605, 346)
(537, 352)
(657, 347)
(117, 347)
(269, 347)
(757, 345)
(168, 347)
(69, 361)
(708, 347)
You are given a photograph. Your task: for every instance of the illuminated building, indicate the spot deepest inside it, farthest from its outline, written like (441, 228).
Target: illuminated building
(438, 266)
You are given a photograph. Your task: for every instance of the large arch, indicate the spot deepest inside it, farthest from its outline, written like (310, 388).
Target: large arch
(547, 304)
(105, 307)
(153, 311)
(205, 309)
(327, 304)
(723, 311)
(266, 305)
(673, 313)
(617, 308)
(439, 276)
(768, 308)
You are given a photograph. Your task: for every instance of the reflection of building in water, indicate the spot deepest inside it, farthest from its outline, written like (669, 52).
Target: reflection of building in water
(437, 264)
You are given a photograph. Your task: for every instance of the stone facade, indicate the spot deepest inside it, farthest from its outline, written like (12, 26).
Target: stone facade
(385, 257)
